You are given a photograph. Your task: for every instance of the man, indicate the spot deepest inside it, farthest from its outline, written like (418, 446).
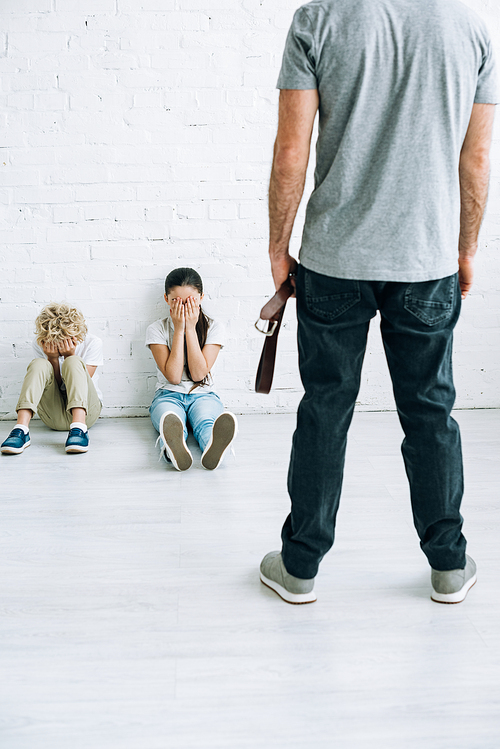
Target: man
(405, 91)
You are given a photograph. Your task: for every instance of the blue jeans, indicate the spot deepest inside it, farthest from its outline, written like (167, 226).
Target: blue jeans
(417, 332)
(198, 409)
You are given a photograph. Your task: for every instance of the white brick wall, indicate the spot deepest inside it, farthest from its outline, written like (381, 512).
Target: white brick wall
(136, 136)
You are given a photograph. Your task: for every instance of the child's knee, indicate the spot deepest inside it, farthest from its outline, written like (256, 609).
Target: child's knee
(72, 362)
(40, 365)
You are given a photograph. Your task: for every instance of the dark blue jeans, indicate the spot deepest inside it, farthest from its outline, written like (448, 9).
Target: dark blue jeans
(417, 331)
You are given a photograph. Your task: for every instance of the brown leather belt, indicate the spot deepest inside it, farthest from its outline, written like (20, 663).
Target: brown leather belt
(273, 312)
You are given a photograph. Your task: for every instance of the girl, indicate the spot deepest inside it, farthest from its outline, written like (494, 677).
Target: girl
(185, 345)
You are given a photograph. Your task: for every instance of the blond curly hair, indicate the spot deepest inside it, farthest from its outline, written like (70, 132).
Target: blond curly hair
(58, 321)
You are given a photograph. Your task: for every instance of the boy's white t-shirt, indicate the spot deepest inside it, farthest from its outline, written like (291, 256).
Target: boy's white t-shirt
(162, 332)
(90, 350)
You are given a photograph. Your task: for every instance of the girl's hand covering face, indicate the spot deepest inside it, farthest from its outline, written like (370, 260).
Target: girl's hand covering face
(177, 313)
(192, 312)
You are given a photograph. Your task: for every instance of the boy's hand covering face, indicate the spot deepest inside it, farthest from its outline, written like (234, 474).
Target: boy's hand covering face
(50, 349)
(55, 349)
(67, 347)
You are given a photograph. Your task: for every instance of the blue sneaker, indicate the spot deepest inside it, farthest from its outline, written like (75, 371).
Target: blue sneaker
(16, 442)
(78, 441)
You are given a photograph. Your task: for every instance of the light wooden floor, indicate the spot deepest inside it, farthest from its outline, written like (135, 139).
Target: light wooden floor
(132, 616)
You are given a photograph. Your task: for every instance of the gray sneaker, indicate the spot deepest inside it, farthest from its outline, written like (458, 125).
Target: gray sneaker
(173, 442)
(291, 589)
(223, 433)
(452, 586)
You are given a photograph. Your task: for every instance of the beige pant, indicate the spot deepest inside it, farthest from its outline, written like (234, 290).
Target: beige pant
(40, 393)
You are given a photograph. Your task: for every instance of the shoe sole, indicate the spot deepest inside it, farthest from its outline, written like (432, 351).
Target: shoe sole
(295, 598)
(457, 597)
(15, 450)
(173, 437)
(224, 432)
(75, 449)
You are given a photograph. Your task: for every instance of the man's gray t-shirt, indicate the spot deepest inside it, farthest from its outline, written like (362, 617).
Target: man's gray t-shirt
(397, 80)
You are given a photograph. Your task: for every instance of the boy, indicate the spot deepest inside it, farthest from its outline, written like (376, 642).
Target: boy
(60, 383)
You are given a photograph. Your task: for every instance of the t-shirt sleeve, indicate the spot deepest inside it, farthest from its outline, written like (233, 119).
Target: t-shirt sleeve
(156, 334)
(487, 83)
(92, 354)
(216, 334)
(38, 350)
(298, 65)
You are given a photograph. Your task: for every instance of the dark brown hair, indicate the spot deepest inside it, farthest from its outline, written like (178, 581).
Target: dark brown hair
(189, 277)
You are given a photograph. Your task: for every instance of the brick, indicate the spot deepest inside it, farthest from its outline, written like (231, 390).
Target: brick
(126, 6)
(17, 235)
(172, 191)
(197, 230)
(86, 193)
(67, 214)
(96, 81)
(229, 190)
(91, 6)
(12, 177)
(44, 194)
(115, 61)
(159, 213)
(148, 99)
(26, 6)
(191, 210)
(28, 82)
(127, 211)
(135, 254)
(87, 232)
(51, 101)
(254, 209)
(67, 253)
(31, 157)
(199, 173)
(193, 59)
(240, 98)
(20, 101)
(26, 43)
(223, 210)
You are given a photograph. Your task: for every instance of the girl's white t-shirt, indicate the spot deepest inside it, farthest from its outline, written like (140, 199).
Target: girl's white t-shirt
(90, 350)
(162, 332)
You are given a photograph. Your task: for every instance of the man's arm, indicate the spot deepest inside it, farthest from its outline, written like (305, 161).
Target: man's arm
(474, 172)
(297, 110)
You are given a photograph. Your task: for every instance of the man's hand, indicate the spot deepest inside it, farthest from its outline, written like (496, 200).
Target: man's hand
(177, 314)
(191, 312)
(465, 274)
(67, 347)
(50, 349)
(281, 268)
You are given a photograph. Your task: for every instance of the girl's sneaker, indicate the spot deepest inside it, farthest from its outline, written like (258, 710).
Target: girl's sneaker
(173, 442)
(16, 442)
(224, 431)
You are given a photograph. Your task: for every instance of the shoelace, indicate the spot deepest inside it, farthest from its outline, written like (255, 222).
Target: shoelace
(76, 432)
(16, 433)
(163, 449)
